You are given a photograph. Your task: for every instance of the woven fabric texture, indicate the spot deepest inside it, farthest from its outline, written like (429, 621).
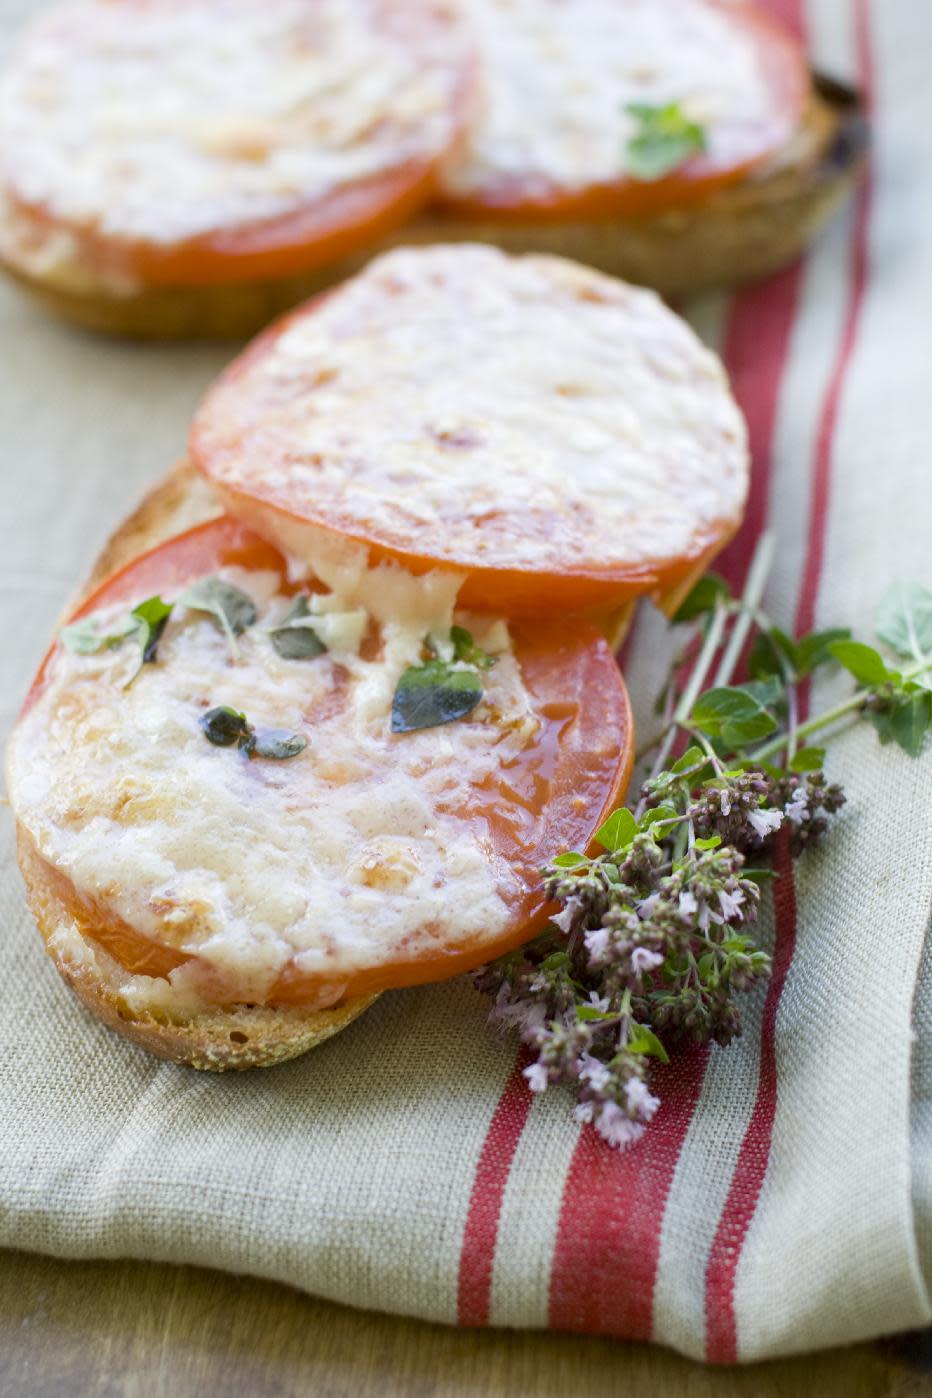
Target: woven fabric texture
(782, 1200)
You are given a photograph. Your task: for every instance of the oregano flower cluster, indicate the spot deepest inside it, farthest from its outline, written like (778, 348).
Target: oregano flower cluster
(653, 942)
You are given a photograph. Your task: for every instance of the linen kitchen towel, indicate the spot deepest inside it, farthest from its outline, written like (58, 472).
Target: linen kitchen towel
(782, 1199)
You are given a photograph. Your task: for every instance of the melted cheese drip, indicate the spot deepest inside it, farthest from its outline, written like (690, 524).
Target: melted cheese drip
(557, 76)
(485, 410)
(332, 861)
(162, 120)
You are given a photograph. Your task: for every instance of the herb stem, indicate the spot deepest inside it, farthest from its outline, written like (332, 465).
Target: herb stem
(819, 721)
(758, 573)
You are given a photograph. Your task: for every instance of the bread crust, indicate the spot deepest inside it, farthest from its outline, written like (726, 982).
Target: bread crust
(740, 234)
(218, 1039)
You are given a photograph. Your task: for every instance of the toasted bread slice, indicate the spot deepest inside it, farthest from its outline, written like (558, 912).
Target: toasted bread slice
(740, 233)
(218, 1038)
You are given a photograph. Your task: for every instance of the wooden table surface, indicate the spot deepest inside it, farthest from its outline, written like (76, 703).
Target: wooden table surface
(141, 1330)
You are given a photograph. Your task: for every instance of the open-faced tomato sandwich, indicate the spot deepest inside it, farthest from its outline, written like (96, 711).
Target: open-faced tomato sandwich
(676, 143)
(191, 167)
(560, 439)
(251, 794)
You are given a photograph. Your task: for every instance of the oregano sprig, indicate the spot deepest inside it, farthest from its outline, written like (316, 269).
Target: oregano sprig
(653, 942)
(664, 139)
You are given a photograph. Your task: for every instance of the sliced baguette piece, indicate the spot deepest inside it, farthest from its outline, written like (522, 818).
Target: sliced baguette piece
(75, 756)
(741, 233)
(217, 1039)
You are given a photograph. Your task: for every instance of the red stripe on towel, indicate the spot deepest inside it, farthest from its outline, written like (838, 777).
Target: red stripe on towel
(477, 1256)
(608, 1237)
(751, 1169)
(722, 1266)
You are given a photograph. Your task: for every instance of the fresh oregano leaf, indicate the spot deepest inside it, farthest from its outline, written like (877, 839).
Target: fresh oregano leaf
(277, 743)
(149, 619)
(587, 1013)
(692, 758)
(465, 649)
(83, 638)
(712, 842)
(644, 1040)
(657, 813)
(569, 860)
(906, 721)
(434, 693)
(226, 728)
(707, 593)
(773, 653)
(664, 140)
(152, 614)
(815, 649)
(904, 619)
(807, 760)
(295, 637)
(732, 715)
(769, 691)
(618, 831)
(863, 662)
(232, 609)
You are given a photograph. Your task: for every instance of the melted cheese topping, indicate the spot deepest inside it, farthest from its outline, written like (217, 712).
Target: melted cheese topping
(159, 120)
(486, 411)
(348, 855)
(557, 76)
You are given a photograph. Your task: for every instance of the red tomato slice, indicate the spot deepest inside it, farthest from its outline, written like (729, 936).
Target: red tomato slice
(352, 213)
(785, 79)
(560, 438)
(552, 796)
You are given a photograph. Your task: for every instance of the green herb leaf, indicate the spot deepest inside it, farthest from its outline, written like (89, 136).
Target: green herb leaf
(665, 139)
(618, 831)
(83, 638)
(807, 760)
(432, 694)
(277, 743)
(732, 715)
(816, 648)
(712, 842)
(662, 812)
(570, 860)
(295, 637)
(149, 618)
(693, 757)
(586, 1013)
(773, 653)
(465, 648)
(644, 1040)
(906, 721)
(704, 597)
(863, 662)
(911, 721)
(904, 619)
(769, 691)
(226, 728)
(232, 609)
